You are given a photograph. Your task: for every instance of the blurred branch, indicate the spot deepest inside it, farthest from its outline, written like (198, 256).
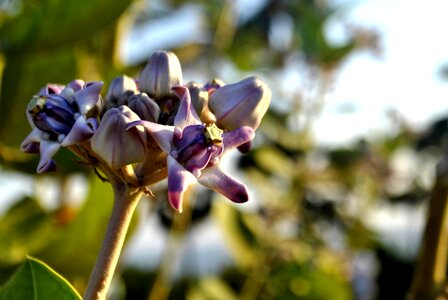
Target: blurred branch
(430, 271)
(226, 27)
(163, 283)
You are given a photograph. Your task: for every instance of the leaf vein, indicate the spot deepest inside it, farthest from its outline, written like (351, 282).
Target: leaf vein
(33, 279)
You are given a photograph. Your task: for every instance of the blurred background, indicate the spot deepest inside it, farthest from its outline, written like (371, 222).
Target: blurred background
(340, 173)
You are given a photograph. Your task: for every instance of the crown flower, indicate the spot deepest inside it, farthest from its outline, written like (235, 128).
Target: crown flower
(61, 116)
(194, 150)
(151, 128)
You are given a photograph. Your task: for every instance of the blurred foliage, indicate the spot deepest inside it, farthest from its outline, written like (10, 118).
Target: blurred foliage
(24, 229)
(308, 223)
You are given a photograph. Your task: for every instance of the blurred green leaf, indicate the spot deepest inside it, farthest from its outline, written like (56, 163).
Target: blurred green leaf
(81, 240)
(310, 22)
(307, 281)
(274, 161)
(238, 235)
(24, 229)
(47, 24)
(35, 280)
(343, 158)
(38, 47)
(211, 288)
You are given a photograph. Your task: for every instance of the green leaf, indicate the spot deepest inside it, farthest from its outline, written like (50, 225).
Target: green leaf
(24, 229)
(211, 288)
(81, 240)
(35, 280)
(240, 239)
(53, 23)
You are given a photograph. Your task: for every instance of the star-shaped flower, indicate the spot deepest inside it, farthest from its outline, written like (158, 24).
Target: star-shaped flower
(61, 116)
(194, 151)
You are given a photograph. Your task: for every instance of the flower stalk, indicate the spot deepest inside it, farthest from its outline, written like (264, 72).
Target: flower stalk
(125, 202)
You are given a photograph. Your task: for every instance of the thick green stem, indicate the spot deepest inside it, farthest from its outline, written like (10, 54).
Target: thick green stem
(125, 202)
(431, 265)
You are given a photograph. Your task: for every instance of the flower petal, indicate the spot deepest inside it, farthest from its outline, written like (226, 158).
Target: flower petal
(186, 115)
(245, 148)
(31, 143)
(199, 161)
(221, 182)
(179, 179)
(76, 84)
(51, 125)
(88, 97)
(162, 134)
(190, 135)
(47, 150)
(47, 166)
(51, 89)
(237, 137)
(82, 130)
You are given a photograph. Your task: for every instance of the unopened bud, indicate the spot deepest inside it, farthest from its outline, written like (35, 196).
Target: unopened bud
(161, 73)
(120, 90)
(146, 108)
(116, 145)
(241, 104)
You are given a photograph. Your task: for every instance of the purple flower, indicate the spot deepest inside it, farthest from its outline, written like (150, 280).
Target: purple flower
(61, 116)
(194, 150)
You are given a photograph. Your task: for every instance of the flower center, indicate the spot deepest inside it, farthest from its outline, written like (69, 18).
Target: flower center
(36, 105)
(213, 134)
(198, 147)
(52, 114)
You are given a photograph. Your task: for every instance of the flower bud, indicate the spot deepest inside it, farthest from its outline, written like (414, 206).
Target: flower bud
(120, 90)
(161, 73)
(199, 99)
(240, 104)
(146, 108)
(116, 145)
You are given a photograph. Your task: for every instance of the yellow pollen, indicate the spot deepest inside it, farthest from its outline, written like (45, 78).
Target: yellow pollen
(36, 104)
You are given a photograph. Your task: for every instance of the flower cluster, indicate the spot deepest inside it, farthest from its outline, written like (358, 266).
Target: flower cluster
(148, 129)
